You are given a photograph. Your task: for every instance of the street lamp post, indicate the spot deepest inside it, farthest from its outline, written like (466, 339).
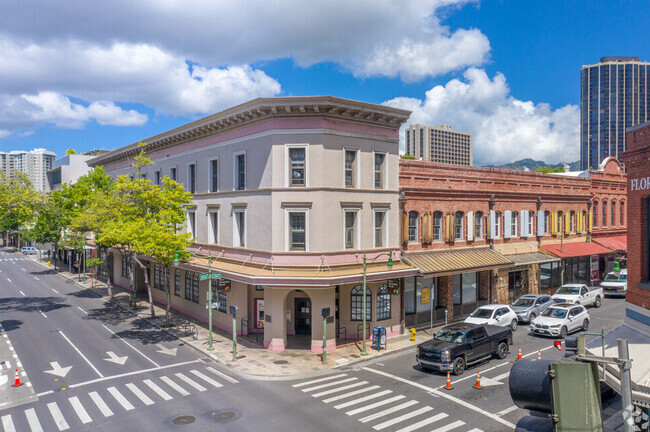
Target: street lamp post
(364, 313)
(84, 257)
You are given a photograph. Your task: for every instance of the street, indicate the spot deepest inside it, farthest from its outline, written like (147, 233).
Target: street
(87, 364)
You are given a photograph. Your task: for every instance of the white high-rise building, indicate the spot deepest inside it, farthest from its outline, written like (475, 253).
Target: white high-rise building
(35, 164)
(439, 144)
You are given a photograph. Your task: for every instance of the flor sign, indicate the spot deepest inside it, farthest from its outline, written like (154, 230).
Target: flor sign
(642, 183)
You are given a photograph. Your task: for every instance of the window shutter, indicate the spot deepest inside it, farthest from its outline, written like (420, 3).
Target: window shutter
(427, 228)
(567, 223)
(579, 221)
(507, 222)
(591, 220)
(405, 227)
(492, 222)
(449, 227)
(523, 223)
(541, 214)
(554, 223)
(470, 226)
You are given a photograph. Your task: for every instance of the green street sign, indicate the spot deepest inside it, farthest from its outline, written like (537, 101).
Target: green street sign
(206, 276)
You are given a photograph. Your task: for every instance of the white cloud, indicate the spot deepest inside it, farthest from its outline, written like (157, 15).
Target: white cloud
(504, 129)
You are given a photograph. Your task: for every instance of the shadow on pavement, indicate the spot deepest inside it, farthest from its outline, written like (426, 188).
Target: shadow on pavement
(42, 272)
(84, 293)
(32, 304)
(10, 325)
(110, 313)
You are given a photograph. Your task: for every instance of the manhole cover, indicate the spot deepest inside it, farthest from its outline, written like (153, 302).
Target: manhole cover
(280, 362)
(223, 416)
(183, 420)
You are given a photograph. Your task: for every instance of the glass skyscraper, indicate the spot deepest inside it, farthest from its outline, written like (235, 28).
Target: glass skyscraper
(613, 96)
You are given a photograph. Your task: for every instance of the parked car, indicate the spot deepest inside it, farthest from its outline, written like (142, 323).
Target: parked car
(530, 306)
(456, 346)
(494, 314)
(561, 319)
(28, 250)
(614, 285)
(579, 294)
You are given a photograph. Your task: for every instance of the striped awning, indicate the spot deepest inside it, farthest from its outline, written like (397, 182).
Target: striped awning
(440, 263)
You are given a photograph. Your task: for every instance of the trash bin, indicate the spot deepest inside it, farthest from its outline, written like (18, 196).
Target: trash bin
(378, 337)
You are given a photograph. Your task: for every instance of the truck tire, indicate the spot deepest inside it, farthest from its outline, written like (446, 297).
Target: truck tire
(502, 350)
(513, 325)
(563, 332)
(597, 302)
(459, 366)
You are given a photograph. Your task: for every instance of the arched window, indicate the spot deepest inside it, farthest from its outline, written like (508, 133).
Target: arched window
(604, 217)
(383, 303)
(195, 288)
(188, 285)
(437, 226)
(497, 224)
(413, 226)
(621, 214)
(177, 282)
(514, 218)
(594, 217)
(571, 221)
(458, 226)
(356, 304)
(478, 225)
(613, 215)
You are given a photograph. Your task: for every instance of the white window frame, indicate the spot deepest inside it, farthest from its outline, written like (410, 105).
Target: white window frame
(478, 226)
(235, 167)
(287, 240)
(530, 223)
(384, 179)
(514, 223)
(460, 236)
(189, 180)
(211, 187)
(287, 163)
(357, 229)
(191, 227)
(357, 166)
(213, 238)
(236, 240)
(384, 233)
(497, 224)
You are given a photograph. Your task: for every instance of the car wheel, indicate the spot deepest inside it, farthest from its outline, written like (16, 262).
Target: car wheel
(585, 325)
(502, 350)
(597, 302)
(459, 366)
(513, 325)
(532, 317)
(563, 332)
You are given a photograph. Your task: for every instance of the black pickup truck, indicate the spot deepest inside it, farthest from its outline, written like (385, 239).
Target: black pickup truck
(458, 345)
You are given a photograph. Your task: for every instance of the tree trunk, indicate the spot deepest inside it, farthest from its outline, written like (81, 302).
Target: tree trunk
(109, 283)
(146, 283)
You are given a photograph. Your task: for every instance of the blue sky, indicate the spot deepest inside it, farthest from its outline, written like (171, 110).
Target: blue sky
(76, 75)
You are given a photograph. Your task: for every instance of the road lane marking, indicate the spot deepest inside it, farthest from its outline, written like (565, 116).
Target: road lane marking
(32, 419)
(121, 399)
(175, 386)
(375, 405)
(22, 293)
(22, 269)
(206, 378)
(444, 395)
(134, 348)
(36, 278)
(82, 310)
(80, 410)
(507, 410)
(136, 391)
(81, 354)
(44, 316)
(388, 411)
(58, 416)
(55, 290)
(222, 375)
(363, 399)
(8, 424)
(45, 393)
(9, 280)
(450, 426)
(319, 380)
(425, 422)
(476, 430)
(131, 373)
(352, 393)
(338, 389)
(401, 418)
(189, 381)
(153, 386)
(320, 386)
(106, 411)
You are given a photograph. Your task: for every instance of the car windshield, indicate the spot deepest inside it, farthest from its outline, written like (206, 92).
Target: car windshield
(568, 290)
(612, 278)
(449, 335)
(482, 313)
(523, 302)
(554, 313)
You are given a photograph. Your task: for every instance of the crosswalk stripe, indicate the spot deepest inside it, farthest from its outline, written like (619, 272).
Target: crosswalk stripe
(58, 416)
(8, 424)
(476, 430)
(106, 411)
(363, 399)
(80, 410)
(136, 391)
(352, 393)
(319, 380)
(338, 389)
(189, 381)
(206, 378)
(320, 386)
(425, 422)
(162, 393)
(222, 375)
(401, 418)
(175, 386)
(450, 426)
(32, 419)
(375, 405)
(121, 399)
(388, 411)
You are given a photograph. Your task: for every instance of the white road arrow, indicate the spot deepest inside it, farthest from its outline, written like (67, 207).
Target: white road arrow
(115, 359)
(165, 350)
(58, 370)
(487, 382)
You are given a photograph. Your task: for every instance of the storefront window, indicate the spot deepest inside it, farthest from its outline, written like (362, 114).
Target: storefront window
(470, 287)
(383, 303)
(409, 295)
(457, 289)
(426, 289)
(356, 302)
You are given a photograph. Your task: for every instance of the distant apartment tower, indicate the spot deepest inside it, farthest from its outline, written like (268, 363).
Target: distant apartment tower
(35, 164)
(439, 144)
(613, 96)
(69, 168)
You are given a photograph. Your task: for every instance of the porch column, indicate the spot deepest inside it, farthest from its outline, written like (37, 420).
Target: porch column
(319, 299)
(275, 325)
(446, 294)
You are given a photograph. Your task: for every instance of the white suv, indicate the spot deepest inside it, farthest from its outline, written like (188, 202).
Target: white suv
(561, 319)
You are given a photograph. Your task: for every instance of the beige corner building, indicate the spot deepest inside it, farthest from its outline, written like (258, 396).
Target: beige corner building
(439, 144)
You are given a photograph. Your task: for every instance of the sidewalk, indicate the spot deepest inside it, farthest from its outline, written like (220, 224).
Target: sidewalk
(253, 360)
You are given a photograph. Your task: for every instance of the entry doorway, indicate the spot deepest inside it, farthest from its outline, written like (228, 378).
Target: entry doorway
(515, 287)
(302, 310)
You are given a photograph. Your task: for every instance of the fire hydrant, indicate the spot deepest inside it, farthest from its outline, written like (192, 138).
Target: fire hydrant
(412, 335)
(49, 263)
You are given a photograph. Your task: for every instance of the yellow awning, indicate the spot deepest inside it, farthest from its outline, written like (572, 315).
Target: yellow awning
(445, 262)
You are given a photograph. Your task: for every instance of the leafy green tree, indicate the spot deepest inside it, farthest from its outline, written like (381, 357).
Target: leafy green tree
(70, 152)
(93, 263)
(18, 201)
(548, 169)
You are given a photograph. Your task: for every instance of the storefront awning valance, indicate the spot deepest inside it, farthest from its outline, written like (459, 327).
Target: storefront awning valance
(532, 258)
(440, 263)
(568, 250)
(617, 243)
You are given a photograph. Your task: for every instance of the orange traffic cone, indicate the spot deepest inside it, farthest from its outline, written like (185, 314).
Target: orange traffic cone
(478, 380)
(539, 354)
(519, 355)
(448, 385)
(17, 382)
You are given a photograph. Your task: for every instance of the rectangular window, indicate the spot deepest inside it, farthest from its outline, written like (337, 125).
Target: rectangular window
(621, 214)
(350, 229)
(191, 220)
(177, 283)
(188, 285)
(195, 288)
(297, 231)
(240, 171)
(191, 178)
(214, 171)
(350, 168)
(380, 161)
(530, 223)
(380, 230)
(297, 167)
(214, 227)
(172, 174)
(125, 266)
(604, 213)
(239, 232)
(223, 301)
(156, 177)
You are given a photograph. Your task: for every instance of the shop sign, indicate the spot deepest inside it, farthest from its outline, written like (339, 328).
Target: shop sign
(642, 183)
(259, 307)
(424, 295)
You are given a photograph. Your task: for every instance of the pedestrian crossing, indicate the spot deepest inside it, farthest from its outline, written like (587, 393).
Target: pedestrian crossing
(82, 409)
(381, 409)
(14, 259)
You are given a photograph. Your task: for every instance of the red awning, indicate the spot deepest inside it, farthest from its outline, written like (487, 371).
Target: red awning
(617, 243)
(575, 249)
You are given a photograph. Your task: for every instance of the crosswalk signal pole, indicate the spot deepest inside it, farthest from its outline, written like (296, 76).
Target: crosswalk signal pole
(233, 312)
(325, 312)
